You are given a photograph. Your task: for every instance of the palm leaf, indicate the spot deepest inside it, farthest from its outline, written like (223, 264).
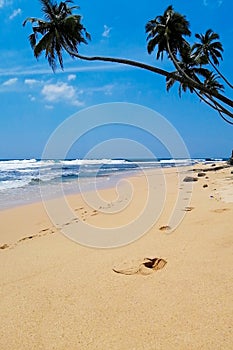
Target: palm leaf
(61, 30)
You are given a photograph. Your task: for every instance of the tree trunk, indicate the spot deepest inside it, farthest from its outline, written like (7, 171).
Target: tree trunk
(221, 75)
(153, 69)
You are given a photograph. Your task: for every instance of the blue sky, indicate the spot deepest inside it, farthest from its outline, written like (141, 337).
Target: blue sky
(34, 100)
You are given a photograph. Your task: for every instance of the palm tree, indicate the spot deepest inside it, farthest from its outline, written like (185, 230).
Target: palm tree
(166, 32)
(62, 31)
(189, 65)
(210, 49)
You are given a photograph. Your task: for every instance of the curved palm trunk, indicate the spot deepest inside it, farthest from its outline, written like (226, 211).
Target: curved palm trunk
(221, 75)
(216, 107)
(121, 61)
(153, 69)
(219, 108)
(176, 64)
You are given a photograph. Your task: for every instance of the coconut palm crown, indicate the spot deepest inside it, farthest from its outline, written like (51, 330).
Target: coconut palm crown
(209, 46)
(210, 49)
(59, 30)
(167, 33)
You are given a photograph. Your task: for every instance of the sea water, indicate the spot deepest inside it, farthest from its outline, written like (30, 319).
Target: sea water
(21, 181)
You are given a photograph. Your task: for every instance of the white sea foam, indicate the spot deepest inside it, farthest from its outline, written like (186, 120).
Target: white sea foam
(22, 164)
(93, 161)
(7, 185)
(175, 161)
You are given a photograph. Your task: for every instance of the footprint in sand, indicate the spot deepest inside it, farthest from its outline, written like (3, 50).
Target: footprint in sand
(41, 233)
(147, 267)
(220, 210)
(85, 214)
(44, 230)
(4, 246)
(26, 238)
(94, 214)
(188, 208)
(81, 208)
(165, 228)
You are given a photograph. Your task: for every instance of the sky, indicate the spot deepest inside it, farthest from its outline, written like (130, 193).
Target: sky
(35, 101)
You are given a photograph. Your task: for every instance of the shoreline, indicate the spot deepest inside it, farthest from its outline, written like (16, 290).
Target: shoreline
(75, 186)
(59, 294)
(25, 187)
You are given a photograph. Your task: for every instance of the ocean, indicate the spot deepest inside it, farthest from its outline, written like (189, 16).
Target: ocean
(21, 181)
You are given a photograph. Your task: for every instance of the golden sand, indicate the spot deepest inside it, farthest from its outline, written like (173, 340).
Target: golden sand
(167, 290)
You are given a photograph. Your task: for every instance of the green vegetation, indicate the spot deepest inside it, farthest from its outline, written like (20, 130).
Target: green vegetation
(62, 30)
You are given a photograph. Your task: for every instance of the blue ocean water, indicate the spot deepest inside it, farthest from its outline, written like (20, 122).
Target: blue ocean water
(21, 180)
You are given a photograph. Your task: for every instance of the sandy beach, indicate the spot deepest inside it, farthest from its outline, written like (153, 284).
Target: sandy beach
(58, 294)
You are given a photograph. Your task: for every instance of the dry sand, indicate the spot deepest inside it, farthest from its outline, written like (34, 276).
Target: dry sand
(57, 294)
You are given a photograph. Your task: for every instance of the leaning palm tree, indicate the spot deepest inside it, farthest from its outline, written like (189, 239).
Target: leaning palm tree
(189, 65)
(210, 49)
(167, 33)
(61, 31)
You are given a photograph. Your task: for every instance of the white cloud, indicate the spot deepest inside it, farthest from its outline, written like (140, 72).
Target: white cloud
(71, 77)
(30, 82)
(106, 32)
(61, 92)
(15, 13)
(10, 82)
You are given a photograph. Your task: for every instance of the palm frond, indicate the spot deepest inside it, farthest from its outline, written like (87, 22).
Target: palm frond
(61, 30)
(172, 27)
